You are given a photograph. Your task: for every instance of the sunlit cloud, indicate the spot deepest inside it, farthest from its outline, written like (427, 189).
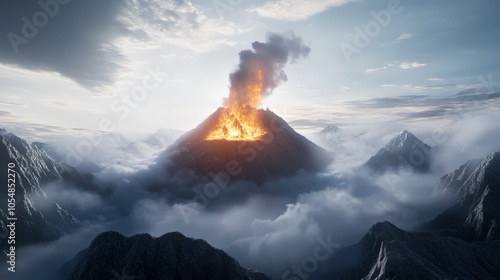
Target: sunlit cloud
(296, 10)
(176, 23)
(410, 65)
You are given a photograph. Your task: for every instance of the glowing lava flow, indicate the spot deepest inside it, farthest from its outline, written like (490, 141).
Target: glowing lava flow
(239, 120)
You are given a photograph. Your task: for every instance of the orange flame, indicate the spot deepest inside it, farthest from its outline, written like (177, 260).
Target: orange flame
(239, 120)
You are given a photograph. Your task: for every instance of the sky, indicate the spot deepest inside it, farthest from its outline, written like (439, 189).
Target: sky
(135, 66)
(75, 67)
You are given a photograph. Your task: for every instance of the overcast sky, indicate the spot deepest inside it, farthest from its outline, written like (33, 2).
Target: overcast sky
(77, 64)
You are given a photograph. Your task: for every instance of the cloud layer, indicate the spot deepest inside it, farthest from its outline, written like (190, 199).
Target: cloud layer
(257, 224)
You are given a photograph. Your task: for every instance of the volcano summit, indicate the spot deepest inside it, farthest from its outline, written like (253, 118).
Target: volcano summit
(279, 152)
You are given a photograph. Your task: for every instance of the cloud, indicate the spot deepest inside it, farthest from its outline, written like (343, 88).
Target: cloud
(385, 67)
(406, 65)
(296, 10)
(404, 36)
(78, 41)
(90, 41)
(259, 224)
(176, 23)
(470, 137)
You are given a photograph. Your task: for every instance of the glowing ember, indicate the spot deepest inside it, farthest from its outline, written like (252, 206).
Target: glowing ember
(239, 120)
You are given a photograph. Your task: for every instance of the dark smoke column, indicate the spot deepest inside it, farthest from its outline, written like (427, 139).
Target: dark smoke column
(260, 70)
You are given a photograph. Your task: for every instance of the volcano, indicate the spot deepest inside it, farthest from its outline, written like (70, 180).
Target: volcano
(278, 152)
(240, 141)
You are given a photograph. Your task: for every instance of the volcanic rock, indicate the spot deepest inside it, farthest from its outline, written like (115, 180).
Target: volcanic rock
(280, 152)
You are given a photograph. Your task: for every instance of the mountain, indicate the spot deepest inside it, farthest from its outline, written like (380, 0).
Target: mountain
(38, 218)
(460, 243)
(280, 152)
(387, 252)
(171, 256)
(331, 129)
(330, 138)
(162, 138)
(476, 215)
(403, 151)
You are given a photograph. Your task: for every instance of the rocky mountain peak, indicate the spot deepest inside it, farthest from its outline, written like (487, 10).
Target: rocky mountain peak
(171, 256)
(403, 151)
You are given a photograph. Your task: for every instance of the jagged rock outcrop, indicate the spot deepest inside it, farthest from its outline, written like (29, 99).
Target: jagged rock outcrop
(171, 256)
(387, 252)
(476, 186)
(38, 218)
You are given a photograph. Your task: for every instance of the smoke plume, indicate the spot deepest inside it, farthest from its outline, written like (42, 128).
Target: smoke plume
(264, 65)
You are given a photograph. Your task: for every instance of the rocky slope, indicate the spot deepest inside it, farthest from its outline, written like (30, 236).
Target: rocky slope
(403, 151)
(476, 186)
(171, 256)
(281, 152)
(38, 218)
(387, 252)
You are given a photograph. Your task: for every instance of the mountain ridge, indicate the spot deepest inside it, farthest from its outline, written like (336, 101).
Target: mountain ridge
(39, 218)
(141, 256)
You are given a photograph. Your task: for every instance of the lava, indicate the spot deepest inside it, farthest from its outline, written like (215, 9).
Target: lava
(239, 120)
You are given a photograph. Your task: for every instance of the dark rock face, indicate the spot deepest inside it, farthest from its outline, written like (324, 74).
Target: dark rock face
(281, 152)
(387, 252)
(476, 215)
(38, 218)
(403, 151)
(171, 256)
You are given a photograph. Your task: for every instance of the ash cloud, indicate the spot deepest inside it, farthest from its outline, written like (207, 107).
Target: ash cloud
(271, 57)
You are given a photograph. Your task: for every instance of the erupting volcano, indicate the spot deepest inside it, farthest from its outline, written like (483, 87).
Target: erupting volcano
(239, 120)
(242, 140)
